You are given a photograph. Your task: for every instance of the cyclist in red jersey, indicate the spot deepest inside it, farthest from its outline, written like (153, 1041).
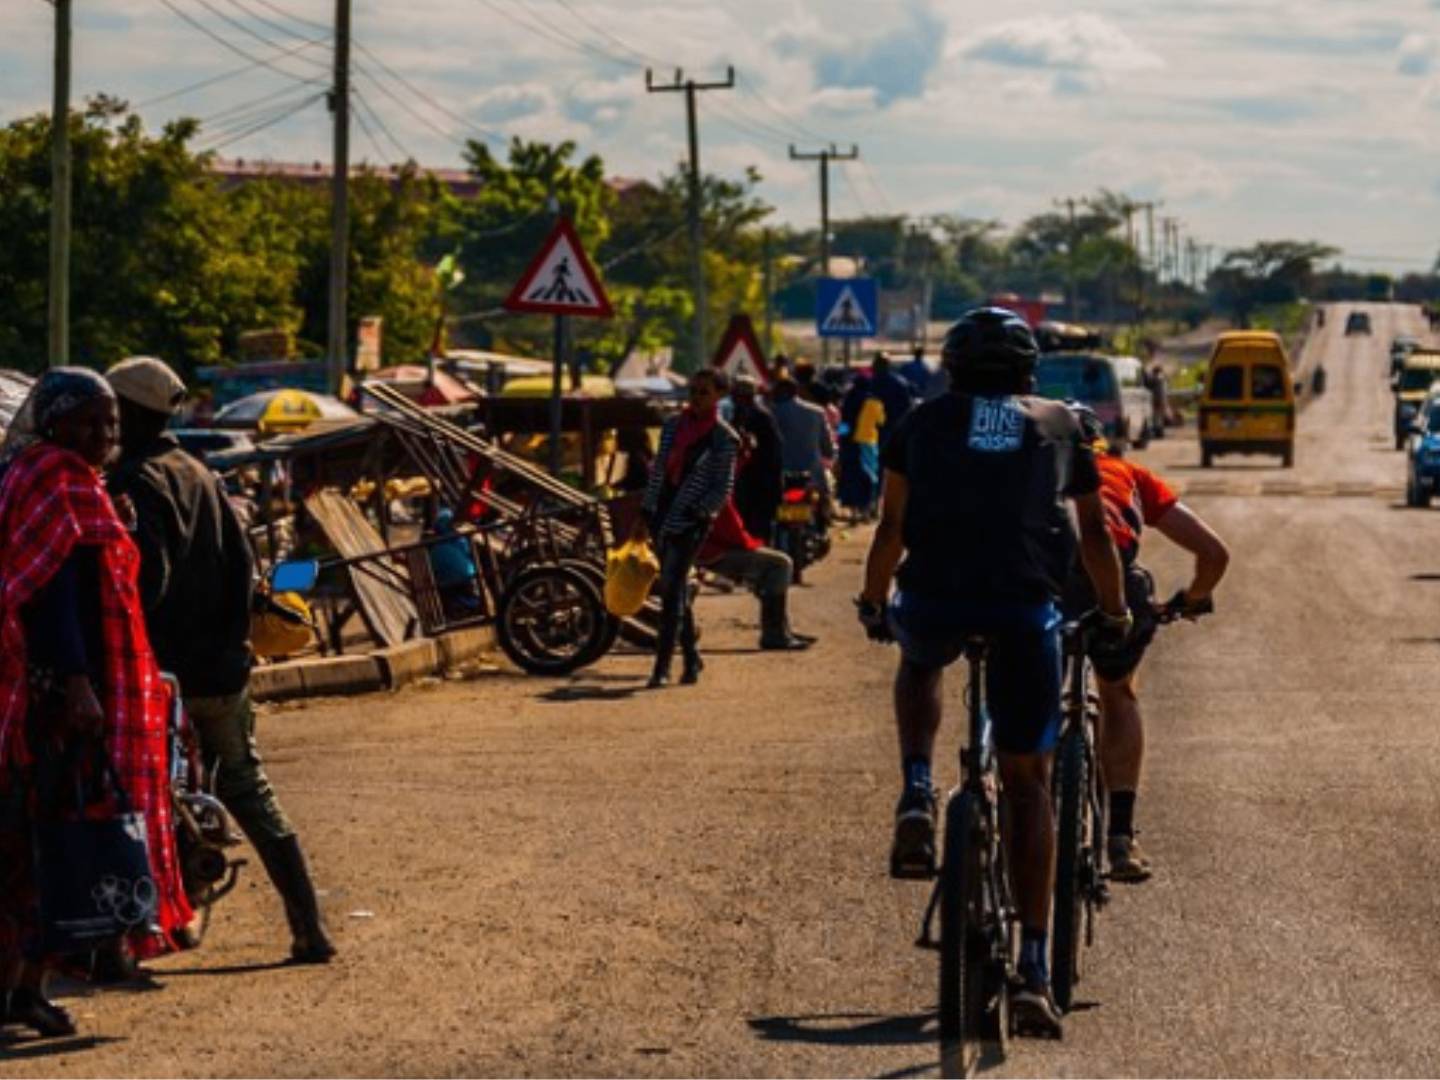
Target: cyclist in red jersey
(1136, 498)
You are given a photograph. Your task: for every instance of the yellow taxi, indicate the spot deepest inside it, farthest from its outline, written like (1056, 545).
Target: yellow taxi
(1418, 372)
(1248, 404)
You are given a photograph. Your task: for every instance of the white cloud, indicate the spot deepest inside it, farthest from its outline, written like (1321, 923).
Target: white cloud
(1417, 55)
(1069, 43)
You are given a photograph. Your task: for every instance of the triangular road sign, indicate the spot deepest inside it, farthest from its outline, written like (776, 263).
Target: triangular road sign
(847, 316)
(740, 352)
(561, 281)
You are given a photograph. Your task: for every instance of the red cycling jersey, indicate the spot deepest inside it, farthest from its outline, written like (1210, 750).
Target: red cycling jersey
(1134, 497)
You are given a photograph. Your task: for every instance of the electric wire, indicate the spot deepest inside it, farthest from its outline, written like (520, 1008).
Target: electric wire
(380, 154)
(240, 121)
(256, 61)
(278, 10)
(438, 106)
(225, 76)
(227, 114)
(260, 126)
(240, 26)
(363, 103)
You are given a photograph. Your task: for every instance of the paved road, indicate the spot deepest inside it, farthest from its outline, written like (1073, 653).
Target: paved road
(542, 877)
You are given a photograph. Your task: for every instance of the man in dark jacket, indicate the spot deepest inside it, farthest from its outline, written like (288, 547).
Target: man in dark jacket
(758, 485)
(196, 585)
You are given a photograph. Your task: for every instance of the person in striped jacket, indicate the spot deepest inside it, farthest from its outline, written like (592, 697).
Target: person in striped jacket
(689, 485)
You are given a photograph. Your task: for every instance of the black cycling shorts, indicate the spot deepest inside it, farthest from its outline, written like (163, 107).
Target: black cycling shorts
(1115, 665)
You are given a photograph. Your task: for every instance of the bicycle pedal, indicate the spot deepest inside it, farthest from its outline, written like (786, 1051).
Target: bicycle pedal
(913, 871)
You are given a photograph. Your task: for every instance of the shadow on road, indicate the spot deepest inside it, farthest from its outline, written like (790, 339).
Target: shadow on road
(564, 695)
(847, 1029)
(21, 1049)
(237, 969)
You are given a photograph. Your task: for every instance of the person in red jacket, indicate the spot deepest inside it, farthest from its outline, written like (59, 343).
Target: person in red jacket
(733, 553)
(1135, 498)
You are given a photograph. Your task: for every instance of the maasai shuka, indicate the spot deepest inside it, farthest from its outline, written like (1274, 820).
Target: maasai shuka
(50, 501)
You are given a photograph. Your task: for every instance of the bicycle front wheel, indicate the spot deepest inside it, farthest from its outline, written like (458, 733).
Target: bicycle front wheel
(963, 953)
(1072, 843)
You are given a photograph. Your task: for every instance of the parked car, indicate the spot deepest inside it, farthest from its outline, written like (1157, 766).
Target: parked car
(1412, 386)
(1090, 380)
(1357, 323)
(1248, 404)
(1138, 400)
(1422, 454)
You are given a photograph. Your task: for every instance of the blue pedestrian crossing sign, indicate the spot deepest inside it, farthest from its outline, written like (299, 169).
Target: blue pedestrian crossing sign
(847, 308)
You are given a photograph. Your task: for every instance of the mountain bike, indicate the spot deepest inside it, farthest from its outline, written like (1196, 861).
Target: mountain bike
(1079, 795)
(1081, 889)
(978, 919)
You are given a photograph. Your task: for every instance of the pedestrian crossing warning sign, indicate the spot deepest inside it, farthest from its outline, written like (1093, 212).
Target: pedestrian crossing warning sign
(561, 280)
(740, 352)
(847, 307)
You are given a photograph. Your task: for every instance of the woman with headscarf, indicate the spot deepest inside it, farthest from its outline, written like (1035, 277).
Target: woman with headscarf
(75, 665)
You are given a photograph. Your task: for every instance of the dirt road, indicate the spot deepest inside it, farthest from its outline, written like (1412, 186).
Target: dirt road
(578, 877)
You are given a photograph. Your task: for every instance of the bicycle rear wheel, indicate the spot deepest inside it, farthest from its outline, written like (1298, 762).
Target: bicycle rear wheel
(1072, 845)
(963, 952)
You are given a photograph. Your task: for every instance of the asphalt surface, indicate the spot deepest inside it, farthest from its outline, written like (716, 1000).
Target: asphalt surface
(576, 877)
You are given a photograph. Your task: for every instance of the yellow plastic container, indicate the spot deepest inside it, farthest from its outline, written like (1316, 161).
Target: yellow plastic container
(630, 570)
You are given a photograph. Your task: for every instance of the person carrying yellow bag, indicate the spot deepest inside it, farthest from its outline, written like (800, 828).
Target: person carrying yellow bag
(630, 570)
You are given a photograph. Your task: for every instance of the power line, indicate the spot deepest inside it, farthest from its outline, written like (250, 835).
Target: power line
(360, 100)
(264, 20)
(227, 114)
(238, 25)
(439, 107)
(263, 125)
(380, 154)
(233, 73)
(644, 58)
(255, 61)
(278, 10)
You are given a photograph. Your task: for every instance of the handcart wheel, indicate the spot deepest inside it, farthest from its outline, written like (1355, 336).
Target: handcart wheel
(595, 574)
(551, 620)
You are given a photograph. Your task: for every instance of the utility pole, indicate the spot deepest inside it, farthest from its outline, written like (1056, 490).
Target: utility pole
(824, 157)
(697, 240)
(1072, 288)
(768, 284)
(338, 338)
(60, 192)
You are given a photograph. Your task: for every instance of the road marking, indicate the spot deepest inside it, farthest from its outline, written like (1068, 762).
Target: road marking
(1245, 489)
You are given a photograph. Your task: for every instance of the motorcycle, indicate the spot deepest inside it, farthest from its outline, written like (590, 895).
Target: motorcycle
(801, 529)
(204, 832)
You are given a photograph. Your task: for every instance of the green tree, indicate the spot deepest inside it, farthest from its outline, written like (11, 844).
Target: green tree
(158, 263)
(1270, 272)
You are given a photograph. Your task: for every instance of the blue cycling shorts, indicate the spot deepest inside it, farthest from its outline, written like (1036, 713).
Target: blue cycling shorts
(1022, 668)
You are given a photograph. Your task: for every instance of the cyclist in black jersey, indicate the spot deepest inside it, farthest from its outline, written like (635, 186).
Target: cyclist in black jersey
(976, 533)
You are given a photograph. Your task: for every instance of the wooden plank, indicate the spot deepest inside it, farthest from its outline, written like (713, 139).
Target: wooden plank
(381, 589)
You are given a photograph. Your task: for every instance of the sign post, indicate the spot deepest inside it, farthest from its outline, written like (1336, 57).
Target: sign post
(740, 353)
(847, 308)
(562, 282)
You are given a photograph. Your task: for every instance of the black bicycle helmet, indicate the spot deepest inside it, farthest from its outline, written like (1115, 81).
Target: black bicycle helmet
(990, 345)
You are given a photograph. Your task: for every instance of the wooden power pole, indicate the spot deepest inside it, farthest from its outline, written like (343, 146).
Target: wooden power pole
(338, 336)
(59, 353)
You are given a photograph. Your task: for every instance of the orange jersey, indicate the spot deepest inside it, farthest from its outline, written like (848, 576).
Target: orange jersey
(1134, 497)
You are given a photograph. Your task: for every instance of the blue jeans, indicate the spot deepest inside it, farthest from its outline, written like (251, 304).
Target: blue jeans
(1022, 668)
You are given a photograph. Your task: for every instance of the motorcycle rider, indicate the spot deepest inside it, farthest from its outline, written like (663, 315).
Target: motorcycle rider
(974, 520)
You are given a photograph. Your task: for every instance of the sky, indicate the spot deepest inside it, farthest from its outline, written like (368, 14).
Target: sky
(1244, 119)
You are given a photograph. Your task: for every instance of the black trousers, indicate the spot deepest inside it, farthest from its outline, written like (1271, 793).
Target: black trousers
(677, 617)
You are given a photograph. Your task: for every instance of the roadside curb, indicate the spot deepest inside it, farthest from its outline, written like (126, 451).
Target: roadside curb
(384, 669)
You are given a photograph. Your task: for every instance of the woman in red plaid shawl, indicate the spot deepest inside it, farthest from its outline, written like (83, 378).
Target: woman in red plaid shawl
(75, 663)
